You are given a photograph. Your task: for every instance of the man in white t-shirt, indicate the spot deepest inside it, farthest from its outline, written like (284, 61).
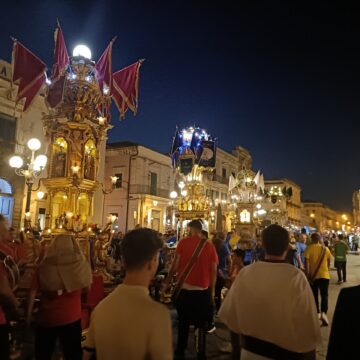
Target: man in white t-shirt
(128, 324)
(271, 306)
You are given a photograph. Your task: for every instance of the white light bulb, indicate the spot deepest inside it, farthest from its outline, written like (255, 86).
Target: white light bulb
(40, 162)
(16, 162)
(106, 90)
(40, 195)
(34, 144)
(82, 50)
(173, 195)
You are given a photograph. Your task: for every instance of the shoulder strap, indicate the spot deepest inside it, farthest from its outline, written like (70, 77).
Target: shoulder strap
(317, 268)
(189, 266)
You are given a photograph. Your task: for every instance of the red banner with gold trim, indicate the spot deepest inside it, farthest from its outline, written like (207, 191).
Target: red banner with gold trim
(125, 89)
(29, 72)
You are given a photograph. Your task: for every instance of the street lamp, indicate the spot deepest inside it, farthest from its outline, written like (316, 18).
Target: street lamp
(114, 180)
(173, 195)
(31, 169)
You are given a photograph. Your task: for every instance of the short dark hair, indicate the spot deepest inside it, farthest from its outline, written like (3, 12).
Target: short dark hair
(275, 240)
(315, 237)
(239, 253)
(195, 224)
(341, 237)
(205, 234)
(139, 246)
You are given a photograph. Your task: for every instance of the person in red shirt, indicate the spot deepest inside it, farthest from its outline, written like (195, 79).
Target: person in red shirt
(7, 298)
(196, 297)
(60, 278)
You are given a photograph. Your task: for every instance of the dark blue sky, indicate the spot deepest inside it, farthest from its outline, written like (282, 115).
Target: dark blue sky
(281, 80)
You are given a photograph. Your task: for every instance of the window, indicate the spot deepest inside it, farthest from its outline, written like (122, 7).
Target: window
(41, 218)
(223, 173)
(223, 196)
(118, 183)
(153, 183)
(7, 136)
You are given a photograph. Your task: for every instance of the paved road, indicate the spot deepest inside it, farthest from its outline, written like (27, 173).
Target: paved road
(220, 336)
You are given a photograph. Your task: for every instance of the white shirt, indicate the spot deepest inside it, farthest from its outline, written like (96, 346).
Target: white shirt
(272, 302)
(129, 325)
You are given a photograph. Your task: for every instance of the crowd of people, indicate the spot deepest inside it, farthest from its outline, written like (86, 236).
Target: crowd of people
(265, 290)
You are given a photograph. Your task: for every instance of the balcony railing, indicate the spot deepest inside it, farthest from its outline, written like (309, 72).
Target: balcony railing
(148, 190)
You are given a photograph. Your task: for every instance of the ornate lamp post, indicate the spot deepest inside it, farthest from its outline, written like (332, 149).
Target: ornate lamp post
(31, 169)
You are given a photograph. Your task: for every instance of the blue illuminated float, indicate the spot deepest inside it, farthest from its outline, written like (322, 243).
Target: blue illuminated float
(193, 146)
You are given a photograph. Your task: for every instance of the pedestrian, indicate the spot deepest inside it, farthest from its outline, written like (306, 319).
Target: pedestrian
(293, 256)
(8, 301)
(301, 246)
(60, 278)
(340, 250)
(283, 325)
(204, 235)
(317, 260)
(170, 238)
(233, 240)
(258, 252)
(224, 256)
(237, 262)
(343, 335)
(355, 243)
(227, 239)
(128, 324)
(196, 265)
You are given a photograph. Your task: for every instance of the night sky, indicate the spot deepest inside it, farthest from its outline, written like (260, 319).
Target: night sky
(281, 80)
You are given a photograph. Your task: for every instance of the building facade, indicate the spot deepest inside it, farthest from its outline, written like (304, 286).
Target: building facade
(141, 194)
(325, 220)
(146, 178)
(16, 128)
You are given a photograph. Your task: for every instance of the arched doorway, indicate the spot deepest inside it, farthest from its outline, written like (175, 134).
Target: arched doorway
(6, 200)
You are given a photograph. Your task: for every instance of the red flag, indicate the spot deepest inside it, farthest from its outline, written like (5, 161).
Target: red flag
(125, 88)
(104, 69)
(56, 92)
(29, 70)
(61, 56)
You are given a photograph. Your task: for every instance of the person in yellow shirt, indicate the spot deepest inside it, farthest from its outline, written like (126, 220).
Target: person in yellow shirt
(234, 239)
(317, 259)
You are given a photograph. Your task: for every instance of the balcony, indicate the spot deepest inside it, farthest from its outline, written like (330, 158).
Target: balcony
(218, 178)
(148, 190)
